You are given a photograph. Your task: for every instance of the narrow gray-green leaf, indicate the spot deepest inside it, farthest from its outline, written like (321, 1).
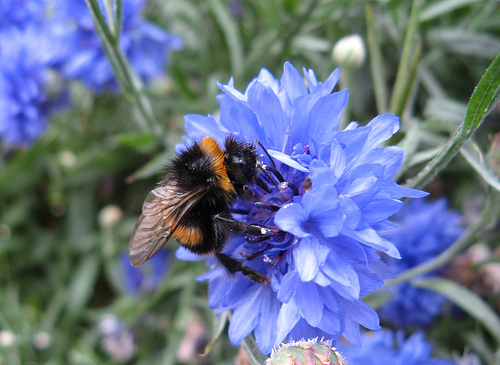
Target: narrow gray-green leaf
(462, 41)
(219, 324)
(474, 159)
(467, 300)
(82, 286)
(437, 9)
(377, 66)
(446, 109)
(231, 33)
(484, 98)
(262, 46)
(152, 168)
(136, 140)
(404, 74)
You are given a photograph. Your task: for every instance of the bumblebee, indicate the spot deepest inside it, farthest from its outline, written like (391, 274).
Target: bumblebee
(192, 204)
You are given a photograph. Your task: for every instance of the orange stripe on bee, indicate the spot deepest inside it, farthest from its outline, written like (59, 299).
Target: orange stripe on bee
(188, 236)
(209, 147)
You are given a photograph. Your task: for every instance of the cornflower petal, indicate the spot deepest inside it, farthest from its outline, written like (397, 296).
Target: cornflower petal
(371, 238)
(309, 303)
(308, 257)
(346, 278)
(290, 218)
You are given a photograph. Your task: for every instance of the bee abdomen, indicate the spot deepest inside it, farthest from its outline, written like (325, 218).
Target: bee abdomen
(189, 236)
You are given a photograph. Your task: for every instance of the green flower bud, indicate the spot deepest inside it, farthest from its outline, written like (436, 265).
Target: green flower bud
(306, 353)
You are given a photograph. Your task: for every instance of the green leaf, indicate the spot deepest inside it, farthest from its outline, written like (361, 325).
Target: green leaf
(407, 64)
(485, 96)
(377, 66)
(467, 300)
(82, 287)
(462, 41)
(437, 9)
(475, 158)
(152, 168)
(136, 140)
(310, 43)
(220, 324)
(231, 33)
(446, 109)
(482, 101)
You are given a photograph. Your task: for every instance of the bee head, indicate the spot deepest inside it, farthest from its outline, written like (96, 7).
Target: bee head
(241, 161)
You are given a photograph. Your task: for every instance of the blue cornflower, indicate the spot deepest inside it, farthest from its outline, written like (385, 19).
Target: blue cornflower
(147, 277)
(385, 347)
(425, 230)
(336, 196)
(146, 46)
(24, 103)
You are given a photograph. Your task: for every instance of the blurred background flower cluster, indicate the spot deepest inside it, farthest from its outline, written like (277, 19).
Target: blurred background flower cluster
(91, 109)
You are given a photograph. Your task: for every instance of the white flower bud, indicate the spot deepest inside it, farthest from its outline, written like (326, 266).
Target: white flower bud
(349, 52)
(7, 338)
(42, 340)
(109, 216)
(67, 159)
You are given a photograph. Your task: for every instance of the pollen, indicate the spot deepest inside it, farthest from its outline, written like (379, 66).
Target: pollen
(211, 149)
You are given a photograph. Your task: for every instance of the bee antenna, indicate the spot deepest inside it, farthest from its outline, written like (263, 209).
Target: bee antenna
(265, 151)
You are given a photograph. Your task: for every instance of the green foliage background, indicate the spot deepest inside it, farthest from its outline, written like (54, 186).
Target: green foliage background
(59, 272)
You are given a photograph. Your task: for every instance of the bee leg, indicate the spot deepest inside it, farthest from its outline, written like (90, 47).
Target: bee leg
(274, 170)
(252, 229)
(263, 184)
(282, 184)
(244, 191)
(233, 266)
(259, 239)
(263, 205)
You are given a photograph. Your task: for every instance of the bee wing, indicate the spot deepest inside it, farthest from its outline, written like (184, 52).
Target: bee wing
(162, 210)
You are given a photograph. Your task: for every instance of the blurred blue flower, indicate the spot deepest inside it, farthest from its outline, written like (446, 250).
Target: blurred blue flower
(425, 230)
(21, 14)
(385, 347)
(117, 340)
(26, 56)
(336, 197)
(147, 277)
(146, 46)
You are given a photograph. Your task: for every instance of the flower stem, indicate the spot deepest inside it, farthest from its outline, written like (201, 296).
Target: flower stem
(252, 351)
(376, 61)
(126, 77)
(345, 82)
(404, 76)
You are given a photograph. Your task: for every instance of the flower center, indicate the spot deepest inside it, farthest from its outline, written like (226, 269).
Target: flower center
(270, 193)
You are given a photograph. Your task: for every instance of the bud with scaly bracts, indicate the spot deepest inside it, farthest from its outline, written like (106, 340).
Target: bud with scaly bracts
(310, 352)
